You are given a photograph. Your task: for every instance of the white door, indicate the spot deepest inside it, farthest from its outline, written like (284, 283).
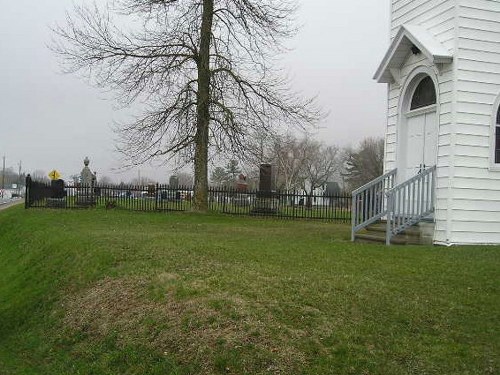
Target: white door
(430, 139)
(421, 142)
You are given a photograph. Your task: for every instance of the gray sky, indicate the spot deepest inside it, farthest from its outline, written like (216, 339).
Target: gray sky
(51, 120)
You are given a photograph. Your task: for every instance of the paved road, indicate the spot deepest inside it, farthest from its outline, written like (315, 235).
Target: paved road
(9, 203)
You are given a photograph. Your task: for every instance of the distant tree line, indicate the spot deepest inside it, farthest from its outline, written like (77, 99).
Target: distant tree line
(10, 177)
(303, 163)
(299, 163)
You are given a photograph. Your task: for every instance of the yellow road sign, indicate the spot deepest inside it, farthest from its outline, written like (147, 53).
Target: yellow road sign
(54, 175)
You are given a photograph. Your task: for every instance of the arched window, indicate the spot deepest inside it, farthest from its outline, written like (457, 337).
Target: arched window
(424, 95)
(497, 139)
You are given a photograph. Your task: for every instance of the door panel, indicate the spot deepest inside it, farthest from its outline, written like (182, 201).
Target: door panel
(422, 137)
(431, 139)
(415, 145)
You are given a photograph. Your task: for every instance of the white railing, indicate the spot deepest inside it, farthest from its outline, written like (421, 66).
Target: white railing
(369, 202)
(410, 202)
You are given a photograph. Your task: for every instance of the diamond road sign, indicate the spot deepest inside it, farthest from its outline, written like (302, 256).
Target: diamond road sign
(54, 175)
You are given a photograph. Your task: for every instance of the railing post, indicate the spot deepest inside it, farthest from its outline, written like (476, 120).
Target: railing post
(390, 212)
(354, 212)
(433, 189)
(368, 202)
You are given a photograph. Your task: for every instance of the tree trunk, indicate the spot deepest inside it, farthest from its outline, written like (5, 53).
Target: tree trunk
(309, 201)
(203, 115)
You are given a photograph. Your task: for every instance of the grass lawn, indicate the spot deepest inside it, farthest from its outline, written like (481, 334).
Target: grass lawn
(117, 292)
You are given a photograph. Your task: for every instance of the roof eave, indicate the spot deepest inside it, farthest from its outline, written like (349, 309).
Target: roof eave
(432, 50)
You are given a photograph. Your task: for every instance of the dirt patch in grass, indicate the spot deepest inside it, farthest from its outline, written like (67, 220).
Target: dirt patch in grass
(218, 333)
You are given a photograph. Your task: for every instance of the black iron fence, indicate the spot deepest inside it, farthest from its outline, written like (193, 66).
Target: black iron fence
(160, 197)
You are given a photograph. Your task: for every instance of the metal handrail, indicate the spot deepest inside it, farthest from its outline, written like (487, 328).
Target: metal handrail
(375, 181)
(368, 201)
(410, 202)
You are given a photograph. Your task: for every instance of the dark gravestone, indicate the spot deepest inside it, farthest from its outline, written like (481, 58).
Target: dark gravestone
(173, 181)
(57, 187)
(265, 202)
(57, 197)
(332, 188)
(151, 190)
(332, 191)
(266, 178)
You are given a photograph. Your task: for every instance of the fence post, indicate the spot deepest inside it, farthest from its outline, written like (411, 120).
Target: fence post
(28, 192)
(157, 195)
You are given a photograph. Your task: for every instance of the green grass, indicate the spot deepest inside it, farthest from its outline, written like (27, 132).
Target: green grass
(118, 292)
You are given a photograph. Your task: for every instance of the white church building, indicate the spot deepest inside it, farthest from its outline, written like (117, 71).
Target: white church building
(442, 141)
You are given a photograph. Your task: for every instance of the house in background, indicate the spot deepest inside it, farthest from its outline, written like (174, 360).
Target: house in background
(442, 151)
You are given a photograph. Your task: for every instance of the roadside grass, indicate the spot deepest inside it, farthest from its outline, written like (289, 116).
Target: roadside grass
(117, 292)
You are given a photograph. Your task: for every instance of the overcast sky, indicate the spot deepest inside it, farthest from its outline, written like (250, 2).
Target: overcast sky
(50, 120)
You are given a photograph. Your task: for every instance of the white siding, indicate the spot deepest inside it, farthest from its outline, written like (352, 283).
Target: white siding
(468, 189)
(439, 18)
(476, 188)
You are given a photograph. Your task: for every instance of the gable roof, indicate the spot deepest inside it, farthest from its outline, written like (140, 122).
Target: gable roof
(407, 37)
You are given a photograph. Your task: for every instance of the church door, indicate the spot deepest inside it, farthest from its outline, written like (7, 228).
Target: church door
(421, 130)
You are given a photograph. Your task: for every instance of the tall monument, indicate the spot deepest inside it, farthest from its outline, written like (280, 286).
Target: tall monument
(85, 192)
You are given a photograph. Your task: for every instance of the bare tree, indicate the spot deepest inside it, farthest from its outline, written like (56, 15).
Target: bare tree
(205, 69)
(364, 163)
(39, 175)
(185, 179)
(288, 154)
(105, 180)
(9, 177)
(320, 165)
(233, 170)
(219, 177)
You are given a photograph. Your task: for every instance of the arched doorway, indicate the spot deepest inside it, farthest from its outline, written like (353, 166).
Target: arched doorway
(419, 127)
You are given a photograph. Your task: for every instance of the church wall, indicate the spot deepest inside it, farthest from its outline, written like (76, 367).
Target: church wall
(468, 184)
(439, 18)
(476, 183)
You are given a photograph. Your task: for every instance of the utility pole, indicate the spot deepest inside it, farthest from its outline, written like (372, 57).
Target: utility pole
(3, 176)
(19, 178)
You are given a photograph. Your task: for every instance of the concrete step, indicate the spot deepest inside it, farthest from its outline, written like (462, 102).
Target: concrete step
(375, 233)
(378, 238)
(381, 227)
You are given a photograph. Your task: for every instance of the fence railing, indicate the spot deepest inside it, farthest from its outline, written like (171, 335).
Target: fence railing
(369, 202)
(158, 197)
(408, 203)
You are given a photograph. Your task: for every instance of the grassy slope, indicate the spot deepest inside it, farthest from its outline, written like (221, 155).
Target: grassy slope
(112, 292)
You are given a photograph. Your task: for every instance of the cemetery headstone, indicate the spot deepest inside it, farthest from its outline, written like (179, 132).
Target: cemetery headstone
(332, 188)
(57, 193)
(265, 178)
(266, 202)
(85, 192)
(58, 190)
(173, 181)
(241, 183)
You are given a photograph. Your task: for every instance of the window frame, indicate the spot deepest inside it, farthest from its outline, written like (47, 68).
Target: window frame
(496, 139)
(428, 79)
(495, 132)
